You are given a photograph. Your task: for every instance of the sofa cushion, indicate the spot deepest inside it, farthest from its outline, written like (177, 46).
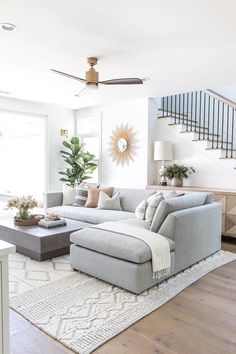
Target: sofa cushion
(109, 203)
(153, 202)
(141, 210)
(116, 245)
(81, 195)
(90, 215)
(170, 205)
(68, 195)
(130, 198)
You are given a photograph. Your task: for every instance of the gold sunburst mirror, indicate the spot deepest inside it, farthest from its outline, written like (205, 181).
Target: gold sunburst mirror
(123, 144)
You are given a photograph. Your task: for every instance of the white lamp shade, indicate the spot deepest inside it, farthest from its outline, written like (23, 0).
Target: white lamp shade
(163, 151)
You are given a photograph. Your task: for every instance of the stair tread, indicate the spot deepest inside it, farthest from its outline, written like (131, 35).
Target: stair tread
(213, 141)
(182, 120)
(210, 134)
(197, 126)
(220, 148)
(170, 112)
(177, 117)
(227, 158)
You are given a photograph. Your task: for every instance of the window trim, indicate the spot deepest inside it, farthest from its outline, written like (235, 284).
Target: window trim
(91, 135)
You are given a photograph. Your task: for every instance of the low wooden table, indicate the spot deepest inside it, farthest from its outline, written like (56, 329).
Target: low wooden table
(37, 242)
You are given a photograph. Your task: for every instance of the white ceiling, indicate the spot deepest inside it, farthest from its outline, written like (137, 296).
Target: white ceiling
(179, 45)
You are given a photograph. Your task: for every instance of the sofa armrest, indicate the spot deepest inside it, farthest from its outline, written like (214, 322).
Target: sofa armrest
(196, 232)
(53, 199)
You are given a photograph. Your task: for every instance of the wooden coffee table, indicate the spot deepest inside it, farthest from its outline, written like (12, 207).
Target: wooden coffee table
(37, 242)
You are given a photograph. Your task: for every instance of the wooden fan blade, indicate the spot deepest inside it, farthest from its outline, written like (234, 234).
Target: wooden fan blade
(68, 75)
(124, 81)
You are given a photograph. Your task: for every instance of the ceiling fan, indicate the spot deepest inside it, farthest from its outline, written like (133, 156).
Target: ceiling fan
(91, 80)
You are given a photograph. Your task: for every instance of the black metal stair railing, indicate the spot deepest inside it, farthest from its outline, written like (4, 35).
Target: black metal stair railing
(209, 117)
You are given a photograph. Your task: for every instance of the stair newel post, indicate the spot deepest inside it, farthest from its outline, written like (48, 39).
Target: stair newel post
(227, 132)
(232, 134)
(162, 105)
(195, 123)
(200, 112)
(204, 115)
(222, 125)
(187, 109)
(179, 108)
(213, 124)
(183, 109)
(208, 118)
(191, 111)
(218, 125)
(175, 109)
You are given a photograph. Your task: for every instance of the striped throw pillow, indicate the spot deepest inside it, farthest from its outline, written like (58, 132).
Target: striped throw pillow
(81, 195)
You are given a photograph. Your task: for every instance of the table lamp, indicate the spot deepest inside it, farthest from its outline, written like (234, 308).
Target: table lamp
(163, 151)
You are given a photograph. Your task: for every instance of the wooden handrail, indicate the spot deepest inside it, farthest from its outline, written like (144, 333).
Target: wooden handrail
(220, 97)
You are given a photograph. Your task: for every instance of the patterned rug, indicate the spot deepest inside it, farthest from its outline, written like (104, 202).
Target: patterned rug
(83, 312)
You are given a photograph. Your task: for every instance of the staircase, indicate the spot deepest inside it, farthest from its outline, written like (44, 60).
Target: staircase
(209, 116)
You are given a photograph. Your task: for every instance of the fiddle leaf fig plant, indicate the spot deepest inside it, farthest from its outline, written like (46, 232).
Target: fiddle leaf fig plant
(80, 162)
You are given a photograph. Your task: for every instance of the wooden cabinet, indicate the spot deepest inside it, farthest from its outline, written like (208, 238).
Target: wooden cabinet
(5, 249)
(226, 197)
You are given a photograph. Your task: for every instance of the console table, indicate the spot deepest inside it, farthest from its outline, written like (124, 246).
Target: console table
(5, 249)
(226, 197)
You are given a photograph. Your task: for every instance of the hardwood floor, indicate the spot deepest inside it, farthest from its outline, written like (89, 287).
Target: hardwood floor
(200, 320)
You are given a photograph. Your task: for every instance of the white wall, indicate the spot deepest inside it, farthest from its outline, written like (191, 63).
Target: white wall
(228, 91)
(135, 113)
(57, 117)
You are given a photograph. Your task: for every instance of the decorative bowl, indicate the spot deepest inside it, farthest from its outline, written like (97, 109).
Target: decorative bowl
(28, 222)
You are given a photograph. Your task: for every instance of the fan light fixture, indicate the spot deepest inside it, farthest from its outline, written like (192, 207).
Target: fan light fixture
(9, 27)
(91, 80)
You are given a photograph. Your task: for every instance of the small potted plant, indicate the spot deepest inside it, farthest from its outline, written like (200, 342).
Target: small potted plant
(24, 205)
(176, 173)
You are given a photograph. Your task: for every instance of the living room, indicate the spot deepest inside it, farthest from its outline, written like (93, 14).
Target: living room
(117, 121)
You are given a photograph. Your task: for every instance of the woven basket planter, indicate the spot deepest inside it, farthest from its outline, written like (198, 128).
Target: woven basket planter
(29, 222)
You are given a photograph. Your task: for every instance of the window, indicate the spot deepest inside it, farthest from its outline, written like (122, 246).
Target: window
(22, 154)
(89, 131)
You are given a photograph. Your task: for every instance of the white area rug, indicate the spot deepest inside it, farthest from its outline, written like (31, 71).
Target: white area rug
(83, 312)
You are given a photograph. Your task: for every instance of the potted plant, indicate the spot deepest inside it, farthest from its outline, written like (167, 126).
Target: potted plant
(24, 205)
(176, 173)
(81, 163)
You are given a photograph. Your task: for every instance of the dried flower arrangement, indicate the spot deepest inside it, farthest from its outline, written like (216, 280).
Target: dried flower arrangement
(23, 204)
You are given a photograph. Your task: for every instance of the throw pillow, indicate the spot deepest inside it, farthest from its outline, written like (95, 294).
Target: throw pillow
(172, 194)
(109, 203)
(81, 195)
(153, 202)
(68, 195)
(93, 196)
(141, 210)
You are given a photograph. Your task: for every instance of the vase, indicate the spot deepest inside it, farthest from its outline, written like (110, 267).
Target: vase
(177, 182)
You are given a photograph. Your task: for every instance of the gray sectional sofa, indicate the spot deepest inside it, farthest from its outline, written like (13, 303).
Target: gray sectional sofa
(191, 224)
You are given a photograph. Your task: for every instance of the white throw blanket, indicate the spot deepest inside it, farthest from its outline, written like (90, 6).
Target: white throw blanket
(158, 244)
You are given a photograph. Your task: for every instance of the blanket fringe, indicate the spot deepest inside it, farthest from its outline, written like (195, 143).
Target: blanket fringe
(161, 273)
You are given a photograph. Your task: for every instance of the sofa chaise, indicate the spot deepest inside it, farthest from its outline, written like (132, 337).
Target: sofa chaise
(191, 224)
